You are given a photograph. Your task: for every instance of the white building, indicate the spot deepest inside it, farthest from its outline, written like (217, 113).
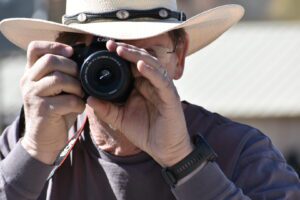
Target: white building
(251, 74)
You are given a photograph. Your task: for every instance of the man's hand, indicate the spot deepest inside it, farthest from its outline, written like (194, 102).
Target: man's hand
(52, 98)
(152, 118)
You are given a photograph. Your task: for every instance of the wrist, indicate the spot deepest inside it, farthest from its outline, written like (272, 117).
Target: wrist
(179, 155)
(41, 153)
(198, 158)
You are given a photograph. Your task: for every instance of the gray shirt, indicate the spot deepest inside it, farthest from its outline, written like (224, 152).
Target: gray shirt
(248, 167)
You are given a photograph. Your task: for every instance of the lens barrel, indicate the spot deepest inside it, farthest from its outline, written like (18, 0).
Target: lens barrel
(103, 74)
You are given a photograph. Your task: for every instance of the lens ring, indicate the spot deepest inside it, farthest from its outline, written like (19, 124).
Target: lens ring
(120, 71)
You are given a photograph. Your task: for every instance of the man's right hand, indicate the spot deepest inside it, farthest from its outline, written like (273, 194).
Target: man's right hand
(52, 97)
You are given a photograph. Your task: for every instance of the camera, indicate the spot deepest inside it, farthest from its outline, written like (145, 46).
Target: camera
(103, 74)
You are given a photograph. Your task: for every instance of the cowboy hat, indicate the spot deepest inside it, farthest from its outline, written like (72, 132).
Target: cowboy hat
(125, 20)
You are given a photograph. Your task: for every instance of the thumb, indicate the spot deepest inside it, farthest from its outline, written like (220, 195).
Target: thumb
(106, 111)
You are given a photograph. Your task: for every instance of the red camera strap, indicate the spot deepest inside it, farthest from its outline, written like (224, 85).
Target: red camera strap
(67, 149)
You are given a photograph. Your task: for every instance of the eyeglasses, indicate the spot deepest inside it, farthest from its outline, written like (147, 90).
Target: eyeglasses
(175, 47)
(161, 52)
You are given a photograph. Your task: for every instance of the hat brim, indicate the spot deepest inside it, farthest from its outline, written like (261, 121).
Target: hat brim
(202, 29)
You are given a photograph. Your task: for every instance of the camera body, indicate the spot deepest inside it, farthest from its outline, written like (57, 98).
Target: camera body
(103, 74)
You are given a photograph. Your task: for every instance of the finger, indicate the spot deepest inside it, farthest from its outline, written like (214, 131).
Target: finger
(135, 72)
(134, 55)
(106, 111)
(64, 104)
(36, 49)
(159, 78)
(49, 63)
(56, 83)
(146, 89)
(112, 46)
(129, 46)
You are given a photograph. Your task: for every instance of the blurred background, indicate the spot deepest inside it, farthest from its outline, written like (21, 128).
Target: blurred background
(250, 74)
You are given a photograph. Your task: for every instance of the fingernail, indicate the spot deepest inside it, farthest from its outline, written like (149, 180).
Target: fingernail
(111, 45)
(121, 49)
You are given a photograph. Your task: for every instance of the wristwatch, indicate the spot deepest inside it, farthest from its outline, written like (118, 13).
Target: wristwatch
(202, 153)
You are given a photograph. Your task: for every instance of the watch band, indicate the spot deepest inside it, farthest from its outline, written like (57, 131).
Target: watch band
(202, 152)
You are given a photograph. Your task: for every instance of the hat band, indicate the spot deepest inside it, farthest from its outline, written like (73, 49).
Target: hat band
(121, 15)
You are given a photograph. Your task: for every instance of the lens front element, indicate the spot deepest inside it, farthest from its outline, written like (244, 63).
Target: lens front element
(106, 76)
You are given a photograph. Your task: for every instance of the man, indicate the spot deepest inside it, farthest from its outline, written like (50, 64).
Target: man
(152, 145)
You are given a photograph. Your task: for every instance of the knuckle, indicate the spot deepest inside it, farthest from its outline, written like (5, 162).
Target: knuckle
(58, 78)
(49, 59)
(74, 102)
(32, 47)
(54, 47)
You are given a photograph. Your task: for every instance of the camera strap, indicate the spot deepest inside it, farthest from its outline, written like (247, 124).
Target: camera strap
(62, 156)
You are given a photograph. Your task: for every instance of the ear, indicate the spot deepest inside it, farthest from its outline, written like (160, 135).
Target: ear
(181, 54)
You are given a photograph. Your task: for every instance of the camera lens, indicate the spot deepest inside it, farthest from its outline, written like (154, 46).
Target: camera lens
(106, 76)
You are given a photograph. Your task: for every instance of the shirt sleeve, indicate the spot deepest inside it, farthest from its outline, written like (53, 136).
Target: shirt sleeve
(260, 173)
(21, 176)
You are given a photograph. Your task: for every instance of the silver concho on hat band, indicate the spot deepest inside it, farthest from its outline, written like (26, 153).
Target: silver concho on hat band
(82, 17)
(163, 13)
(122, 14)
